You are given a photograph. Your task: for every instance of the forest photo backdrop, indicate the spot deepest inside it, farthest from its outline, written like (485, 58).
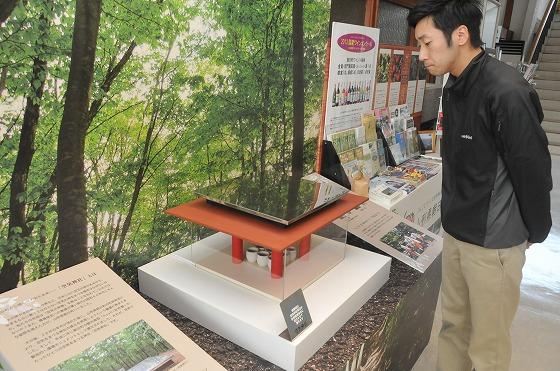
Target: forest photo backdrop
(112, 111)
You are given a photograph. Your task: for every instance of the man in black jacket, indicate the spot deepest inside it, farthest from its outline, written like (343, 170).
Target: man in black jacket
(496, 184)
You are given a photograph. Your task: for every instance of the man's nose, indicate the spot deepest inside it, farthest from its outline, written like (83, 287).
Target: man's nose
(423, 54)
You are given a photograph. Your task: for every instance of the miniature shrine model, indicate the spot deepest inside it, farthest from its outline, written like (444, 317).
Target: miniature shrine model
(270, 236)
(271, 240)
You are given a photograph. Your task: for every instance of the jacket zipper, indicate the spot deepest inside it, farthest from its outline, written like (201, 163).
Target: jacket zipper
(499, 141)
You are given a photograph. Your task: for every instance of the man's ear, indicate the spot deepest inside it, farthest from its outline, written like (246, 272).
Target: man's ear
(461, 35)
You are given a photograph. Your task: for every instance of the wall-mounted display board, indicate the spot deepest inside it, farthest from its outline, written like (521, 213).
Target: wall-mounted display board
(400, 78)
(366, 77)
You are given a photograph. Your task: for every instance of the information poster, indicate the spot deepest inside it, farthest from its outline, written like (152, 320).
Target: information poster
(405, 70)
(389, 232)
(395, 76)
(420, 88)
(87, 318)
(353, 62)
(412, 80)
(382, 78)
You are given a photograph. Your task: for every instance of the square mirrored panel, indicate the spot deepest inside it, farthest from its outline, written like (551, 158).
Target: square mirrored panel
(280, 199)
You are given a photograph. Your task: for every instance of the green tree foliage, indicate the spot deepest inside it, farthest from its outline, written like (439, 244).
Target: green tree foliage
(185, 94)
(28, 45)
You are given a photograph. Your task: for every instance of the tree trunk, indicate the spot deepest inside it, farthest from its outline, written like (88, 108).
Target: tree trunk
(95, 228)
(6, 8)
(23, 274)
(253, 160)
(128, 220)
(145, 160)
(241, 146)
(112, 73)
(46, 265)
(71, 191)
(50, 187)
(284, 128)
(116, 234)
(17, 224)
(298, 88)
(264, 132)
(3, 79)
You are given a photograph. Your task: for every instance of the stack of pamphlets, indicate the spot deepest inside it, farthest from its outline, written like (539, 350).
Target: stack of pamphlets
(394, 183)
(386, 190)
(427, 168)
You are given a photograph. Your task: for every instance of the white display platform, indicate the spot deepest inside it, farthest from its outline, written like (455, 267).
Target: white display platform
(254, 321)
(214, 254)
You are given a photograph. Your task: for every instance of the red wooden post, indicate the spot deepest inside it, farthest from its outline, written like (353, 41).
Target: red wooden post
(236, 250)
(277, 264)
(304, 246)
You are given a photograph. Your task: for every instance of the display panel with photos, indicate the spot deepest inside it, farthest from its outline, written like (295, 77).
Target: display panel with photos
(86, 318)
(407, 240)
(396, 236)
(396, 75)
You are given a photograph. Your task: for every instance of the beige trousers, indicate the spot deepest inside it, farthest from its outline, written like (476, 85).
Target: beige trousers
(479, 298)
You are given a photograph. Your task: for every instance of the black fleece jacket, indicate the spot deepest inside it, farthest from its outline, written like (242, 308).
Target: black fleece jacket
(496, 162)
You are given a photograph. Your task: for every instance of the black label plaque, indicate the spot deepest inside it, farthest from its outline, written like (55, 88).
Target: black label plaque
(296, 314)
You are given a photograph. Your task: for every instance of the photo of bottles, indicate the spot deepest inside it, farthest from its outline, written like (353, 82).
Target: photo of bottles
(346, 93)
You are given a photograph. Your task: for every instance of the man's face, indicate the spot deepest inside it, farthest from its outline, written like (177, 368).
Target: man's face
(437, 55)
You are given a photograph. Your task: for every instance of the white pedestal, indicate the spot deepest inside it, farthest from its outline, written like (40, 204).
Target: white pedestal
(254, 321)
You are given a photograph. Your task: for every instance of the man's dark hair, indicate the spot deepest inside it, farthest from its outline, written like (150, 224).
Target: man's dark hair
(447, 15)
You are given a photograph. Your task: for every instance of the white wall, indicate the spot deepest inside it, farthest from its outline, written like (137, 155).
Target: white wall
(490, 22)
(535, 12)
(518, 14)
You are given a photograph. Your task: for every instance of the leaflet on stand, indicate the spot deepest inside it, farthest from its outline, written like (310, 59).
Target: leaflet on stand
(389, 232)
